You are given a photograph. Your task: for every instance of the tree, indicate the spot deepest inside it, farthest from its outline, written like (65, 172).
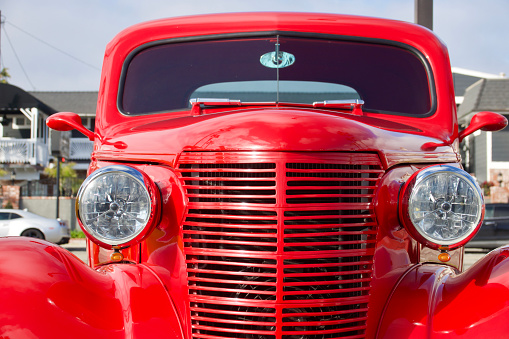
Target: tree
(67, 173)
(4, 76)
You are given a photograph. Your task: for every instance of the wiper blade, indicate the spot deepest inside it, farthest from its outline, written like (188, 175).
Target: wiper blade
(197, 103)
(354, 104)
(215, 102)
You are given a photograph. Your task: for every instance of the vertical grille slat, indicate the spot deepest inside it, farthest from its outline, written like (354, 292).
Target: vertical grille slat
(279, 244)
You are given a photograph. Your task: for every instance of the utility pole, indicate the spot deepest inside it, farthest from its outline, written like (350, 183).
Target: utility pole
(1, 23)
(58, 187)
(424, 13)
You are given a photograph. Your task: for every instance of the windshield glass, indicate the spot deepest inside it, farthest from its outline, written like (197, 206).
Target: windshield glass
(389, 79)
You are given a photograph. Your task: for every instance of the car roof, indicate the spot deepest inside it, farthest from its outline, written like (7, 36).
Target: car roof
(237, 25)
(20, 212)
(12, 210)
(317, 23)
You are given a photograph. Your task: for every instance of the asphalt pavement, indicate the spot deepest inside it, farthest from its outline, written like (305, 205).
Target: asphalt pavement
(78, 247)
(472, 255)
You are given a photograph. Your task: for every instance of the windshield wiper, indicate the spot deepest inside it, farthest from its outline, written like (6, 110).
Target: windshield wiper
(197, 104)
(215, 101)
(354, 104)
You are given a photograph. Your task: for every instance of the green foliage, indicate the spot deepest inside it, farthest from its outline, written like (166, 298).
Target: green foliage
(77, 234)
(486, 187)
(4, 76)
(66, 170)
(67, 173)
(9, 205)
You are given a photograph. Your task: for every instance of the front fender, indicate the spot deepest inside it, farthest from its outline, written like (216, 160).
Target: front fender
(435, 301)
(47, 292)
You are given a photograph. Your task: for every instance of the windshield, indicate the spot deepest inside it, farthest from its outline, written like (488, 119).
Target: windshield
(389, 79)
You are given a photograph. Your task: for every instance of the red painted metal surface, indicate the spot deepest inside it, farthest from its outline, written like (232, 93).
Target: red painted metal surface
(445, 304)
(47, 292)
(485, 121)
(111, 123)
(271, 130)
(276, 222)
(66, 121)
(279, 244)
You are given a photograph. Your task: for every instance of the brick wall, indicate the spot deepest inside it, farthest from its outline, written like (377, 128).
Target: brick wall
(11, 196)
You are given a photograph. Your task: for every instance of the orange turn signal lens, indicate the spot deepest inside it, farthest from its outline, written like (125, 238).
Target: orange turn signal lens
(444, 257)
(116, 256)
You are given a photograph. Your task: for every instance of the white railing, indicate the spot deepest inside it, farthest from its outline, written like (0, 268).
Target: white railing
(24, 151)
(80, 149)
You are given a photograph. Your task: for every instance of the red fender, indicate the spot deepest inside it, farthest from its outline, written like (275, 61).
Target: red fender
(47, 292)
(435, 301)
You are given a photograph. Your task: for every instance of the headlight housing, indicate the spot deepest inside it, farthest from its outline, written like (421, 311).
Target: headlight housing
(117, 206)
(441, 206)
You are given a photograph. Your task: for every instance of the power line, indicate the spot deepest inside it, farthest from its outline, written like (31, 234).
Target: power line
(51, 46)
(17, 57)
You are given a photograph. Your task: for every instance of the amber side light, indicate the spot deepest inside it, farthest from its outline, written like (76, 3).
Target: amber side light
(116, 256)
(444, 257)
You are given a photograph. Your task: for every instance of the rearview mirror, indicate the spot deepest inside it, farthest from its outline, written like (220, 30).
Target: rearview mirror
(484, 121)
(66, 121)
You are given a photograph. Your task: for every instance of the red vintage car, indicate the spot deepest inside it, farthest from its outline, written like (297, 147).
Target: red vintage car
(268, 175)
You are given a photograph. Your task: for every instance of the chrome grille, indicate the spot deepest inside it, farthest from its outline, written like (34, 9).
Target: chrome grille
(279, 244)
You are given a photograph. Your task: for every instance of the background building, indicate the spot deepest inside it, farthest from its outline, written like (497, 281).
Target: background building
(486, 154)
(84, 104)
(25, 141)
(464, 78)
(28, 146)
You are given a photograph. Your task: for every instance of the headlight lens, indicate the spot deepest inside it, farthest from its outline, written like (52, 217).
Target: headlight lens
(442, 206)
(115, 204)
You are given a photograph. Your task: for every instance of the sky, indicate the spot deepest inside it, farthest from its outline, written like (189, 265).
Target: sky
(58, 45)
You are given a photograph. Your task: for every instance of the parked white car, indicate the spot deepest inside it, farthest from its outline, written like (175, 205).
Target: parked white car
(23, 223)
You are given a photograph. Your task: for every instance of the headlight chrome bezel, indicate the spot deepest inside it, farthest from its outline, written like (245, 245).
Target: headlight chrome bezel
(138, 178)
(410, 189)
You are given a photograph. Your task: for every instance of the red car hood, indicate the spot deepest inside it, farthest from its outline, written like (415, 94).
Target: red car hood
(271, 129)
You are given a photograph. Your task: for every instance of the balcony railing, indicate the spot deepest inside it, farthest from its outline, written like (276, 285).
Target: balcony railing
(28, 151)
(25, 151)
(80, 149)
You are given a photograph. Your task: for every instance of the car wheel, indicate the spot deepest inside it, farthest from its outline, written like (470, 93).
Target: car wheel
(33, 233)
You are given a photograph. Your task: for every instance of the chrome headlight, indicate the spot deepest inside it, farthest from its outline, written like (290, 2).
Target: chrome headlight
(117, 205)
(441, 206)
